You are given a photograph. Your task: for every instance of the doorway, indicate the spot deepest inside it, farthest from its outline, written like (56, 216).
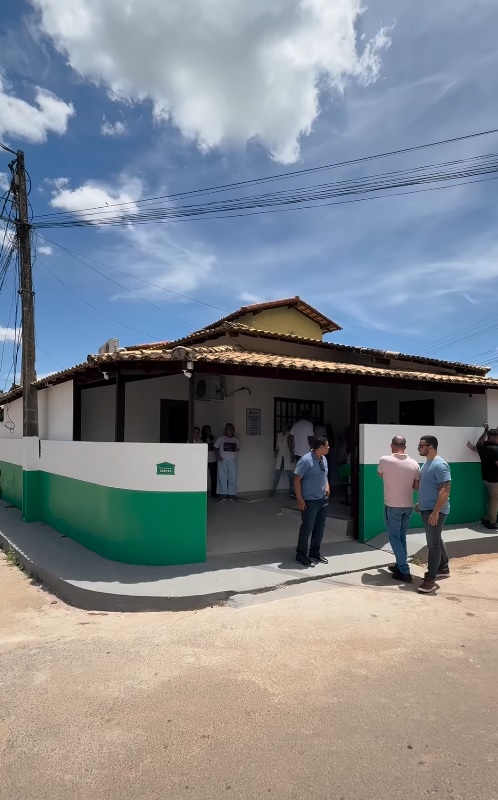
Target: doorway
(416, 412)
(173, 425)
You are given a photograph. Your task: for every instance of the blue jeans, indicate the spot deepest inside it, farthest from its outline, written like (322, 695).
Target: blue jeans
(227, 477)
(397, 522)
(278, 475)
(438, 557)
(313, 520)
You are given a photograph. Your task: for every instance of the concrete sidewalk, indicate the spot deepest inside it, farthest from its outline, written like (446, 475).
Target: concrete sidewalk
(86, 580)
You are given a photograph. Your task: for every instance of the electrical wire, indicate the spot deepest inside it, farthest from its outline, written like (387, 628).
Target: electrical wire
(287, 175)
(98, 310)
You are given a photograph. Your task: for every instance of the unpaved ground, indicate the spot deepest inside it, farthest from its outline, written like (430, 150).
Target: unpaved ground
(351, 688)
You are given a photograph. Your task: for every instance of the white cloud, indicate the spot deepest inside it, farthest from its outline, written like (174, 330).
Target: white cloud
(4, 182)
(9, 334)
(113, 129)
(45, 250)
(97, 195)
(21, 120)
(224, 71)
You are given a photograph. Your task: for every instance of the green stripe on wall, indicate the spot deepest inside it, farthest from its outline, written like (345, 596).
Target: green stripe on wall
(11, 483)
(134, 527)
(468, 498)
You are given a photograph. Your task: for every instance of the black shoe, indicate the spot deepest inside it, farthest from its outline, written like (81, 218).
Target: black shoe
(320, 559)
(304, 560)
(402, 576)
(392, 568)
(490, 525)
(233, 499)
(443, 572)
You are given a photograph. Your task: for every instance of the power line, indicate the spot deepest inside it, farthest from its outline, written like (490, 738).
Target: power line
(286, 175)
(4, 147)
(98, 310)
(122, 222)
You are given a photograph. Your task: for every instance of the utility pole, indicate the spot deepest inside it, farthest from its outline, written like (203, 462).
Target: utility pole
(28, 370)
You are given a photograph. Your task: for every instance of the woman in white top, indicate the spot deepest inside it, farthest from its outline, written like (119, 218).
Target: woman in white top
(284, 460)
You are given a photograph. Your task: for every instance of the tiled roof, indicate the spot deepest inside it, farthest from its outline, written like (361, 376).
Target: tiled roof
(238, 327)
(327, 325)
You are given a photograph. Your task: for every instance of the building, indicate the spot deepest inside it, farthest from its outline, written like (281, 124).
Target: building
(112, 468)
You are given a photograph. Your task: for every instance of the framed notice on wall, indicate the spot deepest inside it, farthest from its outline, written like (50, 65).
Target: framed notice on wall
(253, 422)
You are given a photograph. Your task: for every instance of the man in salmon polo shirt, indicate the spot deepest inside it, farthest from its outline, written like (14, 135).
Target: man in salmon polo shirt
(400, 474)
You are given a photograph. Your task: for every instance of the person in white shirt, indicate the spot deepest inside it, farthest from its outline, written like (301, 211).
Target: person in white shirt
(302, 436)
(400, 474)
(284, 460)
(226, 448)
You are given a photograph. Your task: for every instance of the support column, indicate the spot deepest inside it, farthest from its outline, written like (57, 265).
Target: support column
(31, 489)
(119, 435)
(191, 405)
(76, 411)
(354, 434)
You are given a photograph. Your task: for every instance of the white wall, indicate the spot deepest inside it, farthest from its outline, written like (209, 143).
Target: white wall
(492, 408)
(256, 463)
(143, 403)
(125, 465)
(60, 412)
(98, 414)
(449, 409)
(12, 450)
(12, 413)
(375, 441)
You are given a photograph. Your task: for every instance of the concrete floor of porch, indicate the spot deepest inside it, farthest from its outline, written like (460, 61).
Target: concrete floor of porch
(258, 523)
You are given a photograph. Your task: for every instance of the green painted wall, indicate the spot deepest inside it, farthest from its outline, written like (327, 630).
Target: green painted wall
(153, 528)
(468, 498)
(32, 506)
(11, 481)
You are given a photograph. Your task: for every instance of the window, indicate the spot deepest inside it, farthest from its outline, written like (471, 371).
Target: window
(367, 412)
(289, 411)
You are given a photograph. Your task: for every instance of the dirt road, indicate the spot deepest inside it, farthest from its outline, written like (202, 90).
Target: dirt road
(352, 688)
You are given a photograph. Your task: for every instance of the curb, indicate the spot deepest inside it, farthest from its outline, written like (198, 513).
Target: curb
(91, 600)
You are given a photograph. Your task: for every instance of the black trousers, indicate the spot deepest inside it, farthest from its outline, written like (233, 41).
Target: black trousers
(213, 472)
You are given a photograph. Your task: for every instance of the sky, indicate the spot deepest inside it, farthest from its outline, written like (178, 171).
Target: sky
(117, 102)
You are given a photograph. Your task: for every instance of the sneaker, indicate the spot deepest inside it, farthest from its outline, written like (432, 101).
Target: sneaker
(221, 499)
(427, 586)
(491, 526)
(233, 499)
(406, 577)
(304, 560)
(320, 559)
(443, 573)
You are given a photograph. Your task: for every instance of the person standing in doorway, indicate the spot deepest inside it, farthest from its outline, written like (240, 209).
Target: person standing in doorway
(302, 436)
(400, 474)
(208, 438)
(196, 436)
(487, 448)
(284, 460)
(226, 448)
(312, 490)
(434, 505)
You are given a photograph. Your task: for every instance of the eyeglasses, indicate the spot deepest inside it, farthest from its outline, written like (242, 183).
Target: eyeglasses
(420, 446)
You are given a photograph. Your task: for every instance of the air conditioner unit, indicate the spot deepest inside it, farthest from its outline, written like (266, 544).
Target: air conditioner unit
(109, 347)
(209, 388)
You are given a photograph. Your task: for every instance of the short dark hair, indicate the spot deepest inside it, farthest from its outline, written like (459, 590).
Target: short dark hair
(400, 441)
(319, 441)
(493, 432)
(430, 440)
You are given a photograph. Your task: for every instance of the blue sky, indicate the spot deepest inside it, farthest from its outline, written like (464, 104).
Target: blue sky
(116, 103)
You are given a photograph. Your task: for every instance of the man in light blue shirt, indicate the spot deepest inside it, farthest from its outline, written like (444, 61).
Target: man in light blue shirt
(312, 490)
(434, 506)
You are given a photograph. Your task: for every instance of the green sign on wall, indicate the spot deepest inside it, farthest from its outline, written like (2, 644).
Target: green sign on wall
(165, 468)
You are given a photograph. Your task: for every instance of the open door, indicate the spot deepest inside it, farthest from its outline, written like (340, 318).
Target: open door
(173, 425)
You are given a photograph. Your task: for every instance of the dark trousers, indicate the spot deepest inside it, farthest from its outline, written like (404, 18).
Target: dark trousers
(438, 557)
(313, 520)
(213, 473)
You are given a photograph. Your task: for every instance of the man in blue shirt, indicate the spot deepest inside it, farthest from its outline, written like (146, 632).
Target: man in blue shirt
(434, 506)
(312, 490)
